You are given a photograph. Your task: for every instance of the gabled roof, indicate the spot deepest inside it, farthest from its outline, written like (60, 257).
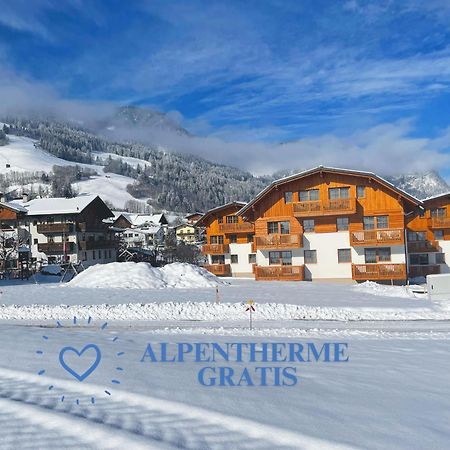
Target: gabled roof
(434, 197)
(217, 209)
(44, 206)
(319, 169)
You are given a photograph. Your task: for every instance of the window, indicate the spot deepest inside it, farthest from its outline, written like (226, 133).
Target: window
(220, 219)
(417, 236)
(278, 227)
(217, 259)
(93, 254)
(283, 258)
(360, 191)
(440, 258)
(233, 239)
(418, 259)
(84, 256)
(344, 255)
(252, 258)
(438, 234)
(216, 240)
(232, 219)
(234, 259)
(310, 256)
(99, 254)
(310, 195)
(35, 241)
(342, 223)
(341, 192)
(375, 222)
(308, 225)
(438, 212)
(288, 197)
(374, 255)
(250, 238)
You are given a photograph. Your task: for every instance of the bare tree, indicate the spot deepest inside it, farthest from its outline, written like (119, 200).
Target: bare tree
(10, 243)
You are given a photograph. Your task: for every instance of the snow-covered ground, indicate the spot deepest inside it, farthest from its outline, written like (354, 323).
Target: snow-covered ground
(394, 392)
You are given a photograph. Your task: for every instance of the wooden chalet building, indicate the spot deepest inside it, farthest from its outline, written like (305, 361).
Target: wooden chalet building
(63, 230)
(328, 224)
(229, 247)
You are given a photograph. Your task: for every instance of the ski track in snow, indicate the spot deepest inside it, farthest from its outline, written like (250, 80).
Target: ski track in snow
(125, 420)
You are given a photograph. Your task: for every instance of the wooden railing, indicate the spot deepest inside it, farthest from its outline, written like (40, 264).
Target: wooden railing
(440, 222)
(244, 227)
(278, 241)
(293, 273)
(377, 237)
(215, 249)
(325, 207)
(94, 245)
(423, 271)
(221, 270)
(379, 271)
(56, 247)
(423, 246)
(44, 228)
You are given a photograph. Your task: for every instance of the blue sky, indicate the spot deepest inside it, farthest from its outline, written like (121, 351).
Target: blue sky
(330, 72)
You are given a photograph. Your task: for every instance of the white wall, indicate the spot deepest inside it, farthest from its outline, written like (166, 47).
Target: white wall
(243, 266)
(445, 246)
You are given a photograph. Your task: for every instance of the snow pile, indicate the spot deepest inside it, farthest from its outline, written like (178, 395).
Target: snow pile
(370, 287)
(132, 275)
(52, 269)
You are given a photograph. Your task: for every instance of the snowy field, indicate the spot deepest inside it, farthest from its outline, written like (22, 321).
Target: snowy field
(394, 391)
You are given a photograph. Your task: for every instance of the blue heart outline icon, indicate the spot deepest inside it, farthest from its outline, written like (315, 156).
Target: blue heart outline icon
(89, 371)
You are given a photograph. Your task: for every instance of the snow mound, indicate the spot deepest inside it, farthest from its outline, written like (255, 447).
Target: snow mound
(141, 275)
(370, 287)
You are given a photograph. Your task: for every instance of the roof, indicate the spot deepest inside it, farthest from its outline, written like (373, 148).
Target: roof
(319, 169)
(434, 197)
(217, 209)
(43, 206)
(141, 219)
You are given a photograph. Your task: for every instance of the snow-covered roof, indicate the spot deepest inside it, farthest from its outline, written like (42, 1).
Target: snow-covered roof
(147, 230)
(141, 219)
(327, 169)
(444, 194)
(43, 206)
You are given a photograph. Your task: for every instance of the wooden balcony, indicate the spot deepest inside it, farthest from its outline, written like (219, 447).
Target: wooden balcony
(279, 273)
(423, 246)
(94, 245)
(334, 207)
(221, 270)
(365, 238)
(440, 222)
(278, 241)
(48, 228)
(244, 227)
(215, 249)
(423, 271)
(56, 247)
(375, 272)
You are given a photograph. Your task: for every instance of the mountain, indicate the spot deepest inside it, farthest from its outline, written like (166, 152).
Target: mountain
(421, 185)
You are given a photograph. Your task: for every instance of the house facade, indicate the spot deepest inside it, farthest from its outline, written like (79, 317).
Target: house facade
(63, 230)
(229, 248)
(333, 224)
(187, 233)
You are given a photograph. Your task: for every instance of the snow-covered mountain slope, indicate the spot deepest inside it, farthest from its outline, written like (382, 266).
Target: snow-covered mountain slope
(421, 185)
(22, 155)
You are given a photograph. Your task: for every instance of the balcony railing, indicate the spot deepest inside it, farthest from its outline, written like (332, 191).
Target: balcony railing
(278, 241)
(94, 245)
(244, 227)
(379, 271)
(325, 207)
(46, 228)
(221, 270)
(293, 273)
(423, 271)
(423, 246)
(84, 227)
(440, 222)
(377, 237)
(56, 247)
(215, 249)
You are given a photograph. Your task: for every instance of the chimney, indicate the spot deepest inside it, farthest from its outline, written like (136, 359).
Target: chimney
(25, 197)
